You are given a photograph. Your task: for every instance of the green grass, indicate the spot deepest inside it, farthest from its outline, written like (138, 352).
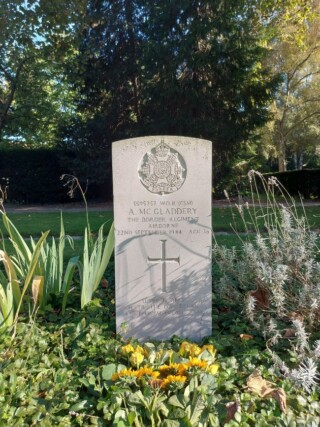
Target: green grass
(227, 219)
(33, 224)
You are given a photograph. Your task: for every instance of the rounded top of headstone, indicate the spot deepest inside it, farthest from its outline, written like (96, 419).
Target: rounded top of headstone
(172, 140)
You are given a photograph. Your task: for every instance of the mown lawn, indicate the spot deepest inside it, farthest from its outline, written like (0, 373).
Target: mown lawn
(223, 219)
(33, 224)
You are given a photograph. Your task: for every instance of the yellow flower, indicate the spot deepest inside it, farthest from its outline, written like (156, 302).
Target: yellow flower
(189, 349)
(195, 350)
(148, 372)
(213, 369)
(136, 359)
(194, 362)
(210, 349)
(127, 349)
(184, 348)
(160, 352)
(141, 350)
(124, 373)
(176, 381)
(171, 369)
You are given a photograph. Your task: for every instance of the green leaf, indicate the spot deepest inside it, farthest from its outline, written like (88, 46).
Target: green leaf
(237, 417)
(94, 264)
(186, 422)
(107, 252)
(209, 380)
(79, 406)
(171, 423)
(31, 269)
(174, 401)
(108, 371)
(84, 381)
(131, 417)
(187, 392)
(67, 280)
(6, 305)
(12, 276)
(16, 238)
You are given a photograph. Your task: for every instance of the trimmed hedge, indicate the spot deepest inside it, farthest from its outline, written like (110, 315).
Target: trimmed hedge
(304, 182)
(34, 176)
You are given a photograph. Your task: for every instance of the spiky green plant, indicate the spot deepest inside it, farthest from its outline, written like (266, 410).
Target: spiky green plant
(94, 262)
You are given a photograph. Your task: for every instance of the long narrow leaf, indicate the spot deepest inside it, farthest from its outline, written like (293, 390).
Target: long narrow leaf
(68, 276)
(6, 305)
(54, 268)
(60, 254)
(107, 252)
(12, 276)
(94, 266)
(32, 267)
(16, 238)
(84, 271)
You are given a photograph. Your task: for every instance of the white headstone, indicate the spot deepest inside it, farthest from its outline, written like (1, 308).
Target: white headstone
(162, 215)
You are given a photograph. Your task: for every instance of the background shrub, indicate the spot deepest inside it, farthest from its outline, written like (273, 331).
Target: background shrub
(304, 182)
(33, 175)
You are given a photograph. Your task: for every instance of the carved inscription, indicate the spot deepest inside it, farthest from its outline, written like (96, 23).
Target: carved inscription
(163, 260)
(167, 307)
(162, 170)
(163, 218)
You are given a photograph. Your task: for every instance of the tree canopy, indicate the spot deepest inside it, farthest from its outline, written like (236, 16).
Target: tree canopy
(83, 73)
(188, 67)
(37, 39)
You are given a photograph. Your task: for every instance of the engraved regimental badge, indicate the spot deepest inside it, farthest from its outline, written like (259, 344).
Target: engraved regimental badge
(162, 170)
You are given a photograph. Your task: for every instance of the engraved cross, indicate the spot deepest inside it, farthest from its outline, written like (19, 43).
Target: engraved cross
(163, 260)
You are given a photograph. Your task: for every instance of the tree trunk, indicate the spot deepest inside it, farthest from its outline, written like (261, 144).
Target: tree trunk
(7, 104)
(133, 54)
(295, 160)
(282, 164)
(301, 158)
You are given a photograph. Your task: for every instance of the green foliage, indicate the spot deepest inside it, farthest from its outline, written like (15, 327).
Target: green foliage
(94, 263)
(33, 175)
(292, 134)
(40, 181)
(44, 272)
(7, 286)
(81, 74)
(304, 183)
(171, 69)
(58, 278)
(72, 370)
(60, 373)
(276, 276)
(23, 267)
(37, 41)
(280, 262)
